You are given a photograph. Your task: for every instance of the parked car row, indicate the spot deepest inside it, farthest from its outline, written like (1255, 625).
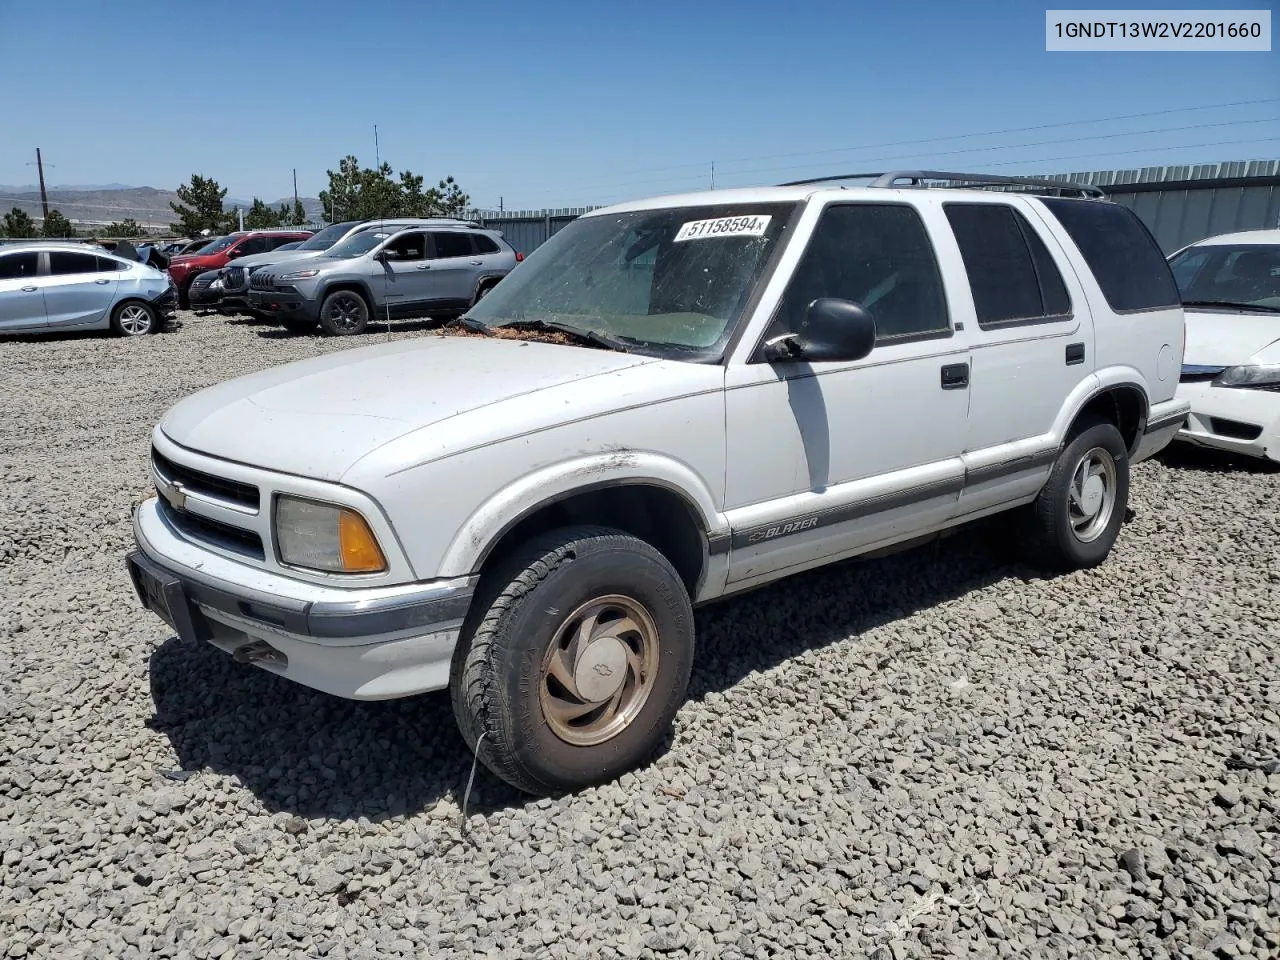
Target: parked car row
(350, 273)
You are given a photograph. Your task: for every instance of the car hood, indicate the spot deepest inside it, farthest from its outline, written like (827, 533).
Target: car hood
(272, 256)
(317, 417)
(1225, 338)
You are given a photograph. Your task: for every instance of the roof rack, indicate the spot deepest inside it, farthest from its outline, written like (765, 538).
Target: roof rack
(917, 178)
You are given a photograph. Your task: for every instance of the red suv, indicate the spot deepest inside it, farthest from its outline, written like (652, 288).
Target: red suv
(218, 253)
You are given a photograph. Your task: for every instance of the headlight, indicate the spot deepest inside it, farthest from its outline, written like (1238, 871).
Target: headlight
(1252, 375)
(299, 275)
(324, 536)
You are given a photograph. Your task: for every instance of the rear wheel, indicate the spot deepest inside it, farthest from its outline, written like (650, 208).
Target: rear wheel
(344, 313)
(133, 319)
(483, 290)
(1074, 522)
(575, 660)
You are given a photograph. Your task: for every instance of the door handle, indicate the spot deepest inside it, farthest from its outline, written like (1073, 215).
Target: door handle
(29, 289)
(1075, 353)
(477, 263)
(424, 266)
(102, 282)
(955, 376)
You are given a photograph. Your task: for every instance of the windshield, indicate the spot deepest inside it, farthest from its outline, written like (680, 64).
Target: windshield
(1246, 275)
(327, 237)
(358, 243)
(216, 246)
(673, 280)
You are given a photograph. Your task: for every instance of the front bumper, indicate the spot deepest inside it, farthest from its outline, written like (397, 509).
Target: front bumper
(362, 644)
(204, 296)
(286, 304)
(1240, 420)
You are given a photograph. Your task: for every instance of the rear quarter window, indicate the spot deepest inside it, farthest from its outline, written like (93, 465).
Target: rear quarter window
(1120, 252)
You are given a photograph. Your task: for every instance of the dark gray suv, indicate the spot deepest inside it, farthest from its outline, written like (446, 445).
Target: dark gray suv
(379, 275)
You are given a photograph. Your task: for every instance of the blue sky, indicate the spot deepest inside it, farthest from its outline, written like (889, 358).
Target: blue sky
(565, 103)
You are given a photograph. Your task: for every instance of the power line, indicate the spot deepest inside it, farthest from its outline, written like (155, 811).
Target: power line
(701, 164)
(947, 153)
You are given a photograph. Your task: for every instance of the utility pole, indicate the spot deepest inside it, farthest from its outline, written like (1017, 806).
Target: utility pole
(44, 195)
(500, 204)
(295, 185)
(713, 174)
(377, 157)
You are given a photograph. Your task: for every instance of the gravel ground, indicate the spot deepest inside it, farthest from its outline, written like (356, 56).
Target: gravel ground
(939, 754)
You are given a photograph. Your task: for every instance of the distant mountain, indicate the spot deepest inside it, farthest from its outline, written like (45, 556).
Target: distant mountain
(9, 189)
(147, 205)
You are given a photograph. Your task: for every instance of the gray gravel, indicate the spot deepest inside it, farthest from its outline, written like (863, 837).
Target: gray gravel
(939, 754)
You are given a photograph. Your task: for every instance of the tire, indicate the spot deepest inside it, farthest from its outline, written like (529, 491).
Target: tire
(504, 683)
(1060, 531)
(133, 318)
(297, 325)
(344, 313)
(485, 287)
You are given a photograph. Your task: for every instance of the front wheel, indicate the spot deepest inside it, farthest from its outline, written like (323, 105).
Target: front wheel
(133, 319)
(575, 662)
(1074, 522)
(344, 313)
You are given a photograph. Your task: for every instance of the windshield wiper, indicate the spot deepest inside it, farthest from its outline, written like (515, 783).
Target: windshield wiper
(587, 336)
(1231, 305)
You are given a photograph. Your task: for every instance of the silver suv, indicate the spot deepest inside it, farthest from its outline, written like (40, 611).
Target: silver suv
(235, 276)
(384, 274)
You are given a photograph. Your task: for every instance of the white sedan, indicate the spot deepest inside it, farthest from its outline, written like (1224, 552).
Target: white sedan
(1230, 287)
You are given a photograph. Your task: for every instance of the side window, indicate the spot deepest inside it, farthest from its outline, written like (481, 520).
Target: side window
(1011, 273)
(407, 246)
(1186, 265)
(878, 255)
(253, 245)
(106, 265)
(19, 266)
(63, 262)
(452, 245)
(1120, 251)
(484, 244)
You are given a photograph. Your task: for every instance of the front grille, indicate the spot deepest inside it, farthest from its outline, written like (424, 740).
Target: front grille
(234, 278)
(233, 539)
(1234, 429)
(220, 488)
(201, 282)
(261, 281)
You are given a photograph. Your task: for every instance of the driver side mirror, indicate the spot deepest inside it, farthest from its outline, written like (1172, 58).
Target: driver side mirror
(833, 330)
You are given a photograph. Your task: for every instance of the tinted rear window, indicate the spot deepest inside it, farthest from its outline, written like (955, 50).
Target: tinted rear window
(1011, 273)
(1120, 251)
(63, 262)
(483, 243)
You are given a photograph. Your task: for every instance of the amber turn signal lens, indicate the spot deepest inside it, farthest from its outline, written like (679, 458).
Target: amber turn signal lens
(360, 551)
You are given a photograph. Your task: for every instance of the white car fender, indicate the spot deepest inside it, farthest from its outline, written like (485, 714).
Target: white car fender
(521, 497)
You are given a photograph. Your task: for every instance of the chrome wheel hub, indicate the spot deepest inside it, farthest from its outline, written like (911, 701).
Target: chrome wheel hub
(134, 320)
(1092, 494)
(599, 670)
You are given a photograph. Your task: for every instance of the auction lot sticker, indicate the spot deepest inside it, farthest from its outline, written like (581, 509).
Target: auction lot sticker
(723, 227)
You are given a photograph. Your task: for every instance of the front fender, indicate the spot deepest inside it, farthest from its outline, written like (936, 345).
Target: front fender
(517, 500)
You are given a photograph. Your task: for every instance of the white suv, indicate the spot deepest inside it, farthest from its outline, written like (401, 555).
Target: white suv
(670, 401)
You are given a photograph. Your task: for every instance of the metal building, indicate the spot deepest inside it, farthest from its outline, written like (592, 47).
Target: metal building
(1179, 204)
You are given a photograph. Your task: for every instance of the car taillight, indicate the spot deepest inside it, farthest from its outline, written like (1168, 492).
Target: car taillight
(519, 256)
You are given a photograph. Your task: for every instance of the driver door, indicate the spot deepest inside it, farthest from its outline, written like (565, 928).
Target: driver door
(831, 458)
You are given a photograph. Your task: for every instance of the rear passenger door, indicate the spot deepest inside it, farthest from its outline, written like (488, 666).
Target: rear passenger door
(21, 300)
(79, 289)
(1032, 343)
(455, 266)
